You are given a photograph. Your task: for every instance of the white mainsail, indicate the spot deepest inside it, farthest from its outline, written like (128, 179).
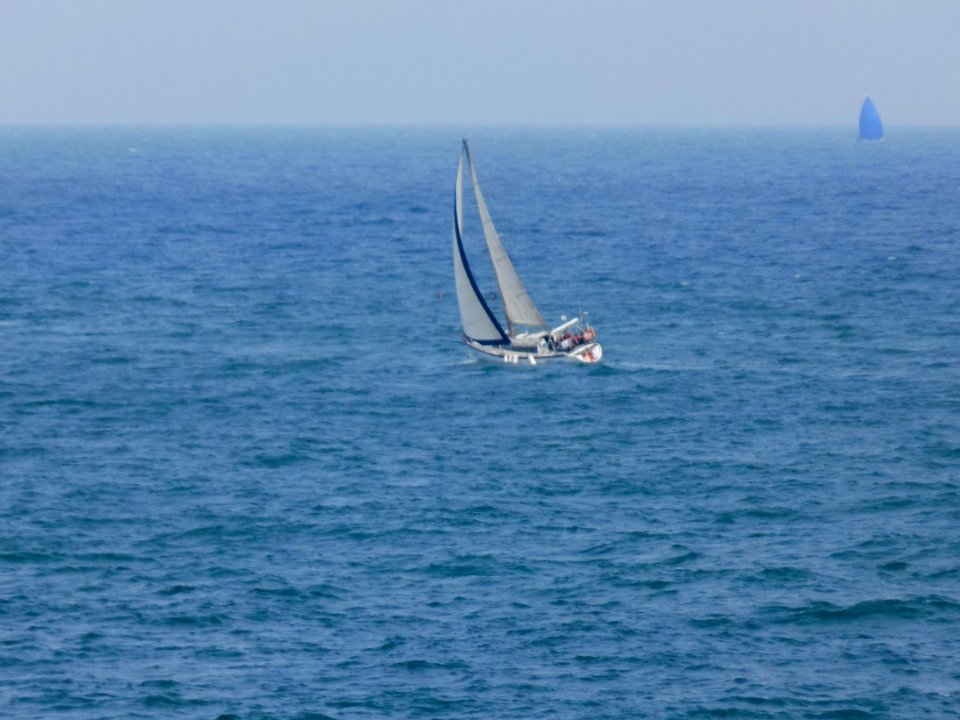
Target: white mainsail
(478, 322)
(517, 303)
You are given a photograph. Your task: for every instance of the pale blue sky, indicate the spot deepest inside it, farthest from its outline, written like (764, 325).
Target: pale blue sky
(495, 61)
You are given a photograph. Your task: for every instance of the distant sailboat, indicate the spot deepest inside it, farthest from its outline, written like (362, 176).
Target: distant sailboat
(870, 126)
(527, 337)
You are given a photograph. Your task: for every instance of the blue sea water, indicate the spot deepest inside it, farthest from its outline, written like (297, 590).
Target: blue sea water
(248, 470)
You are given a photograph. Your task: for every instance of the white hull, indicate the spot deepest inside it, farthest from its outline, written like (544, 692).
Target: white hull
(587, 353)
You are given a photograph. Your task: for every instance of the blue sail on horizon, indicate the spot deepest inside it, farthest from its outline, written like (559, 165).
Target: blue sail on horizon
(871, 128)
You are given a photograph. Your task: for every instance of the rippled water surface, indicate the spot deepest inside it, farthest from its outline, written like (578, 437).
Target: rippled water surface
(247, 470)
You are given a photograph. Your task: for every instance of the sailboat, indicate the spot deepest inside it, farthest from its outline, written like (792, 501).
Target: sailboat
(527, 337)
(871, 128)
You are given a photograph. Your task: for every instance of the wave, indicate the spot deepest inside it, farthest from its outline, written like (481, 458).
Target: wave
(925, 607)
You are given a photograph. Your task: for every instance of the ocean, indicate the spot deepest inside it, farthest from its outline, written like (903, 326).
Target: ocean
(249, 470)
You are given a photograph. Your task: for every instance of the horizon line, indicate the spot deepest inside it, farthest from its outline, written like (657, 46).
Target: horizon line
(444, 125)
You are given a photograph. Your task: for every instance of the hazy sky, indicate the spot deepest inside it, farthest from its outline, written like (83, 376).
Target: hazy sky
(492, 61)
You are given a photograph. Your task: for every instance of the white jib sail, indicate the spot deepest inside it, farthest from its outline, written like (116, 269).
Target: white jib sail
(517, 303)
(478, 322)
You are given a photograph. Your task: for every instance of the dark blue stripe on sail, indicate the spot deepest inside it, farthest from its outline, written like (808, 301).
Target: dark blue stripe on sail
(473, 283)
